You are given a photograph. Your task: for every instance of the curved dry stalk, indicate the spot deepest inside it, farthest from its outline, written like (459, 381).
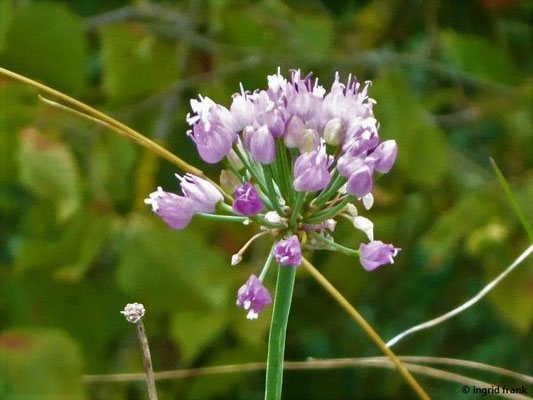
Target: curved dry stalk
(382, 362)
(312, 363)
(131, 133)
(345, 304)
(469, 364)
(464, 306)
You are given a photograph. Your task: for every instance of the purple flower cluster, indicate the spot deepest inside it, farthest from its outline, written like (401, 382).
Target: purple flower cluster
(297, 156)
(302, 113)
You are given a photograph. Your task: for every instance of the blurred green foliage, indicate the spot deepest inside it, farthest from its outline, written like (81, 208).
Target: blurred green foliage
(452, 80)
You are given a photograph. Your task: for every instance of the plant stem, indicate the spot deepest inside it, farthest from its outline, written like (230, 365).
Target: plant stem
(268, 264)
(278, 330)
(334, 245)
(512, 200)
(224, 218)
(330, 213)
(269, 179)
(300, 196)
(345, 304)
(324, 196)
(147, 360)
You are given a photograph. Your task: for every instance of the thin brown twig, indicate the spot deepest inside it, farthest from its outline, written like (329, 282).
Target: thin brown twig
(345, 304)
(147, 360)
(314, 364)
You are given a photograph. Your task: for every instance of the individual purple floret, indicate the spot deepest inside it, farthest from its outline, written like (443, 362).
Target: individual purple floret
(247, 200)
(213, 129)
(176, 211)
(253, 297)
(311, 171)
(360, 182)
(262, 145)
(288, 252)
(203, 193)
(384, 156)
(376, 253)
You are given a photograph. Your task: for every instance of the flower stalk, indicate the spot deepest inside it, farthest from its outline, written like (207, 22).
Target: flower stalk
(278, 331)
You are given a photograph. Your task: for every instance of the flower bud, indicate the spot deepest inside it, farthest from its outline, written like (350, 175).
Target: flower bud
(228, 180)
(308, 141)
(263, 146)
(236, 259)
(311, 171)
(360, 182)
(273, 217)
(293, 131)
(234, 160)
(352, 210)
(368, 200)
(365, 225)
(385, 156)
(333, 132)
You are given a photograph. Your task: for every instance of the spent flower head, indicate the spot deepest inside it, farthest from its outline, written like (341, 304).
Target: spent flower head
(297, 157)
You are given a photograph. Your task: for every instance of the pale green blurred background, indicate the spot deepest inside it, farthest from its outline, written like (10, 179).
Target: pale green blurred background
(453, 84)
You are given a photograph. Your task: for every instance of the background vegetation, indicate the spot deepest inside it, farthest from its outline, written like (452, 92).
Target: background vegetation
(452, 80)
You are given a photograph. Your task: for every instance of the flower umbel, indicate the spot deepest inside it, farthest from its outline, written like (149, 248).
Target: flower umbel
(297, 158)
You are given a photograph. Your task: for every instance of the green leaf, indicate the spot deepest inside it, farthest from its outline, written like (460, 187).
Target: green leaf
(17, 109)
(169, 270)
(312, 35)
(479, 57)
(135, 62)
(450, 228)
(69, 254)
(422, 148)
(35, 45)
(48, 169)
(194, 330)
(40, 364)
(252, 27)
(6, 15)
(513, 297)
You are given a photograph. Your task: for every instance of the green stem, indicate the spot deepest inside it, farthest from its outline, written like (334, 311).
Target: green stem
(278, 330)
(334, 245)
(323, 215)
(271, 190)
(285, 171)
(300, 196)
(324, 196)
(268, 264)
(512, 200)
(225, 218)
